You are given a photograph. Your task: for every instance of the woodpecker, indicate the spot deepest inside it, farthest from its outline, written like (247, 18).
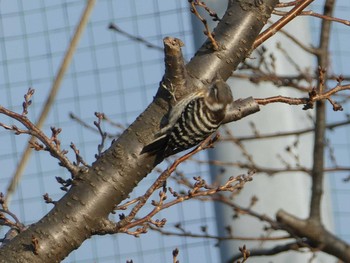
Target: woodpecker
(193, 119)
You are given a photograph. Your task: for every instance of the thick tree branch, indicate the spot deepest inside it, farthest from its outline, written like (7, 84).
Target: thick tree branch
(94, 193)
(317, 235)
(320, 123)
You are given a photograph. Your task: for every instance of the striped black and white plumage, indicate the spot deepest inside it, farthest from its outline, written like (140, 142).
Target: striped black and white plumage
(193, 119)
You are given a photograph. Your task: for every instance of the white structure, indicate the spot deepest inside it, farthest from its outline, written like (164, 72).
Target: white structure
(288, 191)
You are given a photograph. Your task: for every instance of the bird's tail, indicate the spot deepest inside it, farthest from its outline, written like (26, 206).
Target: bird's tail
(157, 146)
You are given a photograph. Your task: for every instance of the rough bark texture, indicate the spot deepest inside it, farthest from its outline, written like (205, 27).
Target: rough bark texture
(84, 210)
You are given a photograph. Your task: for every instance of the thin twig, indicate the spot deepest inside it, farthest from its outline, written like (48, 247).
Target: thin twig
(52, 144)
(330, 126)
(314, 14)
(218, 238)
(272, 251)
(139, 39)
(292, 3)
(205, 23)
(305, 101)
(103, 134)
(94, 129)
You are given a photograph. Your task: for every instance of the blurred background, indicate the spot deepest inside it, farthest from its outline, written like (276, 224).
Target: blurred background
(118, 76)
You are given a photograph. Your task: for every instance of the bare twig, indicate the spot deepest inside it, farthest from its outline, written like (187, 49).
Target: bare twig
(52, 144)
(211, 13)
(314, 14)
(139, 39)
(16, 224)
(204, 21)
(79, 159)
(307, 102)
(272, 251)
(286, 4)
(94, 129)
(48, 199)
(185, 233)
(175, 254)
(27, 101)
(330, 126)
(65, 183)
(103, 134)
(241, 146)
(245, 253)
(326, 18)
(310, 49)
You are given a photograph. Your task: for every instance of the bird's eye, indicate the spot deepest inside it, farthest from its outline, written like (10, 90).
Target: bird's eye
(216, 93)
